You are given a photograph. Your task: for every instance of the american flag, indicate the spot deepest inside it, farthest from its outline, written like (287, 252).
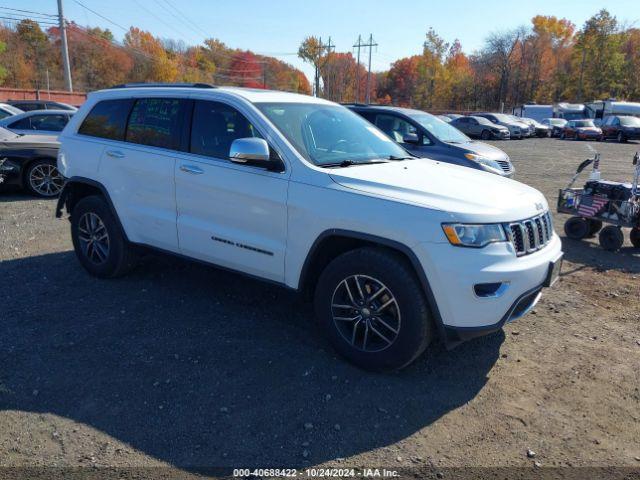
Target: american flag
(591, 205)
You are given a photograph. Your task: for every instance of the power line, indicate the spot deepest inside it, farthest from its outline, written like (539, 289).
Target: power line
(18, 20)
(180, 13)
(29, 11)
(176, 32)
(101, 16)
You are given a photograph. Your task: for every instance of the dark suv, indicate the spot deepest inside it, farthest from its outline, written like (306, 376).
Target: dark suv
(427, 136)
(621, 127)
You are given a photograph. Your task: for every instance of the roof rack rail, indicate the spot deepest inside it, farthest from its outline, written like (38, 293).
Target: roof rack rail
(164, 85)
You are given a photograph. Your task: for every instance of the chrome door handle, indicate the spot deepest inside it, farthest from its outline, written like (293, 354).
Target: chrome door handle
(191, 169)
(115, 154)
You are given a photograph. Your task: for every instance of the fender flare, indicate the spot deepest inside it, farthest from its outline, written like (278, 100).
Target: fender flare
(67, 191)
(395, 245)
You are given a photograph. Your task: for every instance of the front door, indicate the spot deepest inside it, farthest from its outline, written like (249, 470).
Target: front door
(229, 214)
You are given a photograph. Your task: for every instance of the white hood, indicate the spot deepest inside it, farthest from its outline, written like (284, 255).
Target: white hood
(467, 194)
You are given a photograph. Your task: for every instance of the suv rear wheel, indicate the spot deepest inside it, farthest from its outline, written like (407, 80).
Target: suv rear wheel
(98, 240)
(372, 307)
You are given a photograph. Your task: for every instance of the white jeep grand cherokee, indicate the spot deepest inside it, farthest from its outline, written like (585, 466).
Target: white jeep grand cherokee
(303, 192)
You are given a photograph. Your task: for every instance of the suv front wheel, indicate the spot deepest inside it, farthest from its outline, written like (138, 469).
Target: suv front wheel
(98, 240)
(373, 309)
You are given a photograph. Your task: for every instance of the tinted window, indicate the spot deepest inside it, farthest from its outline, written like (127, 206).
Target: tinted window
(24, 124)
(107, 119)
(54, 123)
(29, 106)
(4, 114)
(215, 126)
(156, 122)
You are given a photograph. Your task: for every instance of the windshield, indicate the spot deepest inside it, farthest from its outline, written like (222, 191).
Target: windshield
(573, 115)
(501, 117)
(558, 122)
(7, 135)
(330, 134)
(584, 123)
(439, 129)
(630, 121)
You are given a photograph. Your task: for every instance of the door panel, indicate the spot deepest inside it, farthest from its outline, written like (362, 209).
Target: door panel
(233, 216)
(229, 214)
(140, 181)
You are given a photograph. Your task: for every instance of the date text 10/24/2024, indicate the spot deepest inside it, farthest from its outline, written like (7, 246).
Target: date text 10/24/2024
(316, 473)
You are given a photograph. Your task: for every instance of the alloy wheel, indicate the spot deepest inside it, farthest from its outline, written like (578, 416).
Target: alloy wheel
(45, 180)
(94, 238)
(366, 313)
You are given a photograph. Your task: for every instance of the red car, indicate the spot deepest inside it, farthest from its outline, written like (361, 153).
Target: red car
(581, 130)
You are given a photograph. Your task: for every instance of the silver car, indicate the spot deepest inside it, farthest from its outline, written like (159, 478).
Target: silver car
(480, 127)
(37, 122)
(516, 129)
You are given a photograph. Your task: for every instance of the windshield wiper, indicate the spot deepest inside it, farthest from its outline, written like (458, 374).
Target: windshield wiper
(397, 158)
(349, 163)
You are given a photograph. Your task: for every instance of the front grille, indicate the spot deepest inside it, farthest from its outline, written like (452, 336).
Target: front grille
(530, 235)
(505, 165)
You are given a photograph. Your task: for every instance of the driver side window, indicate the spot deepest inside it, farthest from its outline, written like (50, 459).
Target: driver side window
(215, 126)
(395, 127)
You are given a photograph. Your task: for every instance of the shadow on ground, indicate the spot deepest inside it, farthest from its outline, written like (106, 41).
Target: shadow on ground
(588, 253)
(199, 367)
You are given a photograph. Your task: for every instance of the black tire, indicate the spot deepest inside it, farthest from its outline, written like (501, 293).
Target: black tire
(611, 238)
(414, 325)
(485, 135)
(594, 227)
(621, 138)
(43, 179)
(576, 228)
(634, 237)
(118, 258)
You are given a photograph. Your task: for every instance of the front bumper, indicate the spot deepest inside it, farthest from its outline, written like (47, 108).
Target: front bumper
(453, 272)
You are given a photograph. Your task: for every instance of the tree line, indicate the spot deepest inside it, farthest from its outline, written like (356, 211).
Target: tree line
(548, 61)
(30, 58)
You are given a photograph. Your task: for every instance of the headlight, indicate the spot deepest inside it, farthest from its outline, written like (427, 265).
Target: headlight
(484, 161)
(478, 236)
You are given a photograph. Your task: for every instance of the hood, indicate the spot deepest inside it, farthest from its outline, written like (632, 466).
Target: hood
(468, 195)
(483, 149)
(588, 129)
(32, 141)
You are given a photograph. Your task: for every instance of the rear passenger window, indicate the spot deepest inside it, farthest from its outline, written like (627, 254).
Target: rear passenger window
(215, 126)
(107, 119)
(156, 122)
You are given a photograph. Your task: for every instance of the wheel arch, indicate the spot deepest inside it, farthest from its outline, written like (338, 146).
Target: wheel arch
(331, 243)
(76, 188)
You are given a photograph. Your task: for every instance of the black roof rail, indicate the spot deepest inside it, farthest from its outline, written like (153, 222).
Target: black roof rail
(354, 104)
(164, 85)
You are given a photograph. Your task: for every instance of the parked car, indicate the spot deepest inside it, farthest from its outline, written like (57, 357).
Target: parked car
(29, 162)
(426, 136)
(528, 130)
(555, 124)
(7, 110)
(28, 105)
(37, 122)
(453, 116)
(480, 127)
(396, 250)
(539, 130)
(444, 118)
(621, 127)
(516, 129)
(581, 130)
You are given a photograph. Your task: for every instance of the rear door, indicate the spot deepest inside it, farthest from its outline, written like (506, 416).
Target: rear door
(233, 215)
(139, 171)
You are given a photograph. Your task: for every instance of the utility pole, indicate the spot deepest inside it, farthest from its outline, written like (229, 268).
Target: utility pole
(370, 45)
(65, 48)
(329, 46)
(358, 45)
(317, 64)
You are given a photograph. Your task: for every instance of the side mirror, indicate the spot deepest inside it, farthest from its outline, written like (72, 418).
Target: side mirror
(411, 138)
(245, 150)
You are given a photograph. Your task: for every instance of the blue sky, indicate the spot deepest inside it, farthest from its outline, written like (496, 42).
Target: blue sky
(278, 26)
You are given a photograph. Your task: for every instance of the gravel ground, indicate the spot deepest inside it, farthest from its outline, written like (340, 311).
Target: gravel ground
(183, 366)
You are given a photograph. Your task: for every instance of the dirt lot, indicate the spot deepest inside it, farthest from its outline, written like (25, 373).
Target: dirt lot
(186, 366)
